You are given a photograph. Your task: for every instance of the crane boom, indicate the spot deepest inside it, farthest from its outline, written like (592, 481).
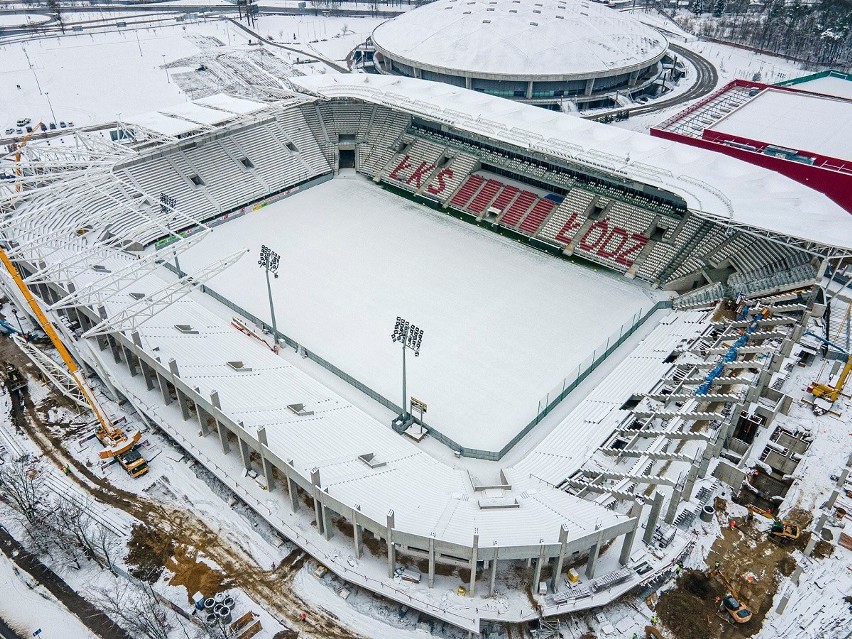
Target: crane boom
(118, 443)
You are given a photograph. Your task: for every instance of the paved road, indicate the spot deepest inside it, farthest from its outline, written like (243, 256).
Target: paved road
(705, 82)
(90, 616)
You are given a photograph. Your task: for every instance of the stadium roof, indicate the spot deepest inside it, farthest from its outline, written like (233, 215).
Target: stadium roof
(509, 38)
(796, 120)
(712, 184)
(826, 82)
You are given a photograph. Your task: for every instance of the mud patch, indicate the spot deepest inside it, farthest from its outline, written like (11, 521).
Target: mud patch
(195, 575)
(148, 552)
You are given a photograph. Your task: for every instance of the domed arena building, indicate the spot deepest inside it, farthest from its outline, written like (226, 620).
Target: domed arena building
(539, 52)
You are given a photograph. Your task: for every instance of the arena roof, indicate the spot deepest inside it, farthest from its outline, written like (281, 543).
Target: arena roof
(826, 82)
(510, 39)
(712, 184)
(796, 120)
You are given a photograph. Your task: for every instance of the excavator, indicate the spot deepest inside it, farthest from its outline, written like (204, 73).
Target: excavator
(116, 443)
(780, 530)
(732, 603)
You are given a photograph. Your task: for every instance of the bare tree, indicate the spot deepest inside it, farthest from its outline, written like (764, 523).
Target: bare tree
(137, 609)
(22, 484)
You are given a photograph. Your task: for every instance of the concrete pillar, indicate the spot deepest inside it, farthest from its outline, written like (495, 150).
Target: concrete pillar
(202, 420)
(590, 85)
(327, 523)
(651, 523)
(473, 552)
(689, 484)
(220, 428)
(131, 362)
(184, 406)
(493, 581)
(538, 562)
(529, 90)
(391, 549)
(560, 559)
(357, 534)
(674, 502)
(431, 580)
(831, 499)
(267, 465)
(293, 492)
(594, 551)
(115, 348)
(629, 538)
(317, 487)
(468, 83)
(164, 388)
(245, 451)
(148, 374)
(631, 81)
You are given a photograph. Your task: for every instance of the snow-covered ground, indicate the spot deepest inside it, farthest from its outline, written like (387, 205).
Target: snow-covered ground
(503, 323)
(28, 607)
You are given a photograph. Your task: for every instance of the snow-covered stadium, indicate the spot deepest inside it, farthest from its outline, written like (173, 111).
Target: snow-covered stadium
(542, 53)
(613, 249)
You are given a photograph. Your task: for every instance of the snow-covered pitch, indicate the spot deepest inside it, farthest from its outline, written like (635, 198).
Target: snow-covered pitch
(503, 323)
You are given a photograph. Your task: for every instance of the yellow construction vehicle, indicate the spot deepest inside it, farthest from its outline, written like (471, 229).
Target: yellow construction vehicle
(117, 444)
(732, 603)
(20, 147)
(832, 393)
(783, 530)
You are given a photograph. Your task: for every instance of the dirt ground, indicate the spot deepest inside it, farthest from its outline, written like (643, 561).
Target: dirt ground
(750, 561)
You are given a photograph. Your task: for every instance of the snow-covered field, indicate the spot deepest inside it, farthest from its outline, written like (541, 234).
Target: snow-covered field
(503, 323)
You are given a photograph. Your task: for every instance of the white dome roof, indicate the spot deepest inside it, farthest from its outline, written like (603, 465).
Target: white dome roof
(520, 39)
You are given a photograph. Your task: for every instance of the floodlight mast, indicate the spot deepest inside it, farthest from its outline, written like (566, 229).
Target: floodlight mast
(410, 336)
(268, 261)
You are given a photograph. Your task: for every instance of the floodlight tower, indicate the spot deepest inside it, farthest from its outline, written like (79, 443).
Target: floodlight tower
(410, 337)
(269, 262)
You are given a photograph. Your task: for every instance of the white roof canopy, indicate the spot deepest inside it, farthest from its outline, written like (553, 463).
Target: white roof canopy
(712, 184)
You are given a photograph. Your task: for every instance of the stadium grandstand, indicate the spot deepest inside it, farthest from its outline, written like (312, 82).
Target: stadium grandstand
(93, 224)
(553, 54)
(801, 128)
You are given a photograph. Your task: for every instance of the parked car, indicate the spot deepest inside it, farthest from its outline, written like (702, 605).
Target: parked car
(52, 125)
(23, 122)
(62, 125)
(43, 126)
(70, 123)
(29, 129)
(10, 131)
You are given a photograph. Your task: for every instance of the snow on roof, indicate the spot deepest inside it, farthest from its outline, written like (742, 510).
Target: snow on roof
(427, 496)
(507, 38)
(162, 124)
(712, 184)
(197, 113)
(230, 104)
(794, 120)
(827, 85)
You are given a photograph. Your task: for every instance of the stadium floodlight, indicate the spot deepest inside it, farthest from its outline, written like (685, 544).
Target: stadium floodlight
(410, 336)
(268, 261)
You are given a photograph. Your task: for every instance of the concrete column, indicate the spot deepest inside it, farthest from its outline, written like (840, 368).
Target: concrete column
(831, 499)
(538, 562)
(631, 81)
(184, 406)
(468, 83)
(473, 553)
(590, 85)
(493, 581)
(674, 502)
(690, 483)
(100, 338)
(148, 374)
(357, 534)
(560, 559)
(629, 538)
(202, 420)
(594, 551)
(391, 549)
(529, 90)
(293, 491)
(327, 523)
(651, 523)
(431, 560)
(164, 388)
(115, 348)
(245, 451)
(131, 361)
(317, 487)
(267, 465)
(220, 428)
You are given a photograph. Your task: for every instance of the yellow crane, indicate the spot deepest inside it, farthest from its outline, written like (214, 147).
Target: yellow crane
(117, 443)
